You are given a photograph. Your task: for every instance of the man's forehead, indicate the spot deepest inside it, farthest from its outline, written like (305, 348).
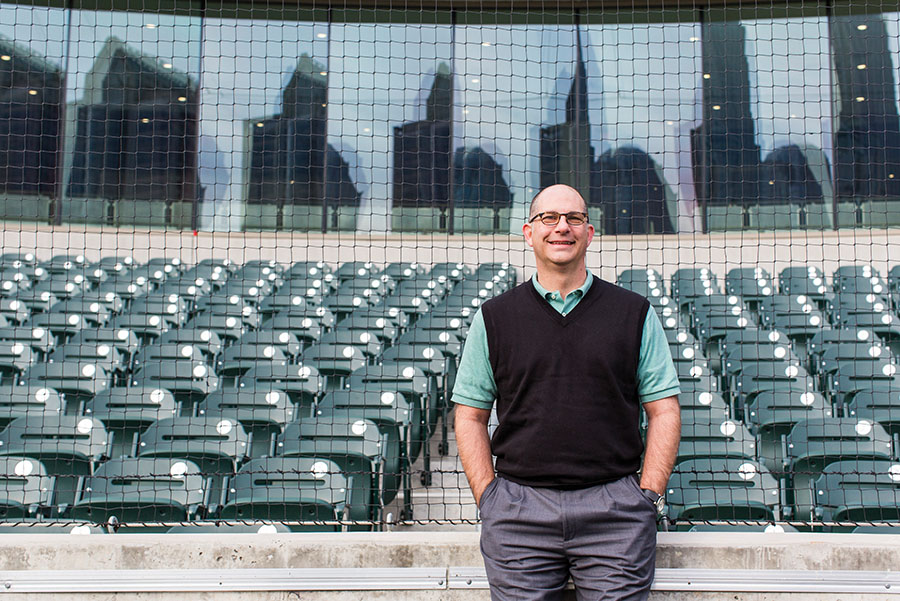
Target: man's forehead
(561, 201)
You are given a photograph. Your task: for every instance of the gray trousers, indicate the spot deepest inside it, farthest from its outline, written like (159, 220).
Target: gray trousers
(533, 539)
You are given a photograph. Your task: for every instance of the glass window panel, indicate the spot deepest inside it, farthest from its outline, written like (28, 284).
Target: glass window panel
(32, 48)
(390, 108)
(132, 116)
(263, 118)
(643, 76)
(867, 119)
(508, 77)
(762, 154)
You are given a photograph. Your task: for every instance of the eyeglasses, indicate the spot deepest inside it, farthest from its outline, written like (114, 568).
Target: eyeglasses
(552, 218)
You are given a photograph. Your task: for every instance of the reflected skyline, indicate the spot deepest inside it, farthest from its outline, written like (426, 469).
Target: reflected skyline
(422, 149)
(673, 115)
(867, 139)
(290, 159)
(137, 129)
(30, 99)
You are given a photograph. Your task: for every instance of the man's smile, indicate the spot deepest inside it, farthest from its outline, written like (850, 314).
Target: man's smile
(563, 242)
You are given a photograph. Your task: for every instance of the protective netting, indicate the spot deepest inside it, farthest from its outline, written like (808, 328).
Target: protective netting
(315, 394)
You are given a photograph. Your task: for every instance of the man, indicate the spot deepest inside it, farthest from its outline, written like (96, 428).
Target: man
(570, 359)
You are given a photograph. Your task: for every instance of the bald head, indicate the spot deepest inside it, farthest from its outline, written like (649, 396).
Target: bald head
(554, 192)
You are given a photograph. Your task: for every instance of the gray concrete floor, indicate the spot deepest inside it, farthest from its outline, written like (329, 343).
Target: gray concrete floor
(447, 499)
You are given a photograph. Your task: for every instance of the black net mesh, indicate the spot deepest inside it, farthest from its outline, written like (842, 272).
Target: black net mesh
(243, 245)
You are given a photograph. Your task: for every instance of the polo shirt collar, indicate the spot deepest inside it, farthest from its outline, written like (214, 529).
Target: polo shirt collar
(578, 292)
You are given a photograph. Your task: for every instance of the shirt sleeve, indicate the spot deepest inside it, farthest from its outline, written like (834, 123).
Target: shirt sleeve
(475, 384)
(657, 378)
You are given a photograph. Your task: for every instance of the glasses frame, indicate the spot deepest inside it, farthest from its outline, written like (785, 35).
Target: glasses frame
(568, 216)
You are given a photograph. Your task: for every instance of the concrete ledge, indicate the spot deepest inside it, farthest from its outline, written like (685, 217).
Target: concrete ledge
(690, 565)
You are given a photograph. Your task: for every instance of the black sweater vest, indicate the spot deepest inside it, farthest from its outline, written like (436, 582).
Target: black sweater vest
(567, 390)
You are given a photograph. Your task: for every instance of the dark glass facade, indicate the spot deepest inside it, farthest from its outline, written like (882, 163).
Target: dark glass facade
(231, 117)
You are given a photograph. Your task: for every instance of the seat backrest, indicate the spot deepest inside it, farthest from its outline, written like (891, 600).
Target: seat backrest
(132, 406)
(180, 376)
(250, 406)
(63, 442)
(24, 485)
(303, 383)
(19, 401)
(79, 377)
(336, 437)
(207, 440)
(818, 442)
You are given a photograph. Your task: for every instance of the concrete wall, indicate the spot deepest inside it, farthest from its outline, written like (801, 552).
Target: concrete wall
(607, 256)
(185, 558)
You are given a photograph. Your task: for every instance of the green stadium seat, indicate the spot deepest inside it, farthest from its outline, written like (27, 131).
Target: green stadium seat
(852, 377)
(208, 341)
(368, 342)
(218, 445)
(131, 490)
(262, 413)
(718, 488)
(813, 444)
(189, 380)
(310, 491)
(25, 488)
(882, 406)
(355, 445)
(21, 401)
(148, 328)
(91, 311)
(223, 527)
(123, 340)
(303, 383)
(398, 420)
(102, 354)
(239, 358)
(405, 271)
(707, 436)
(703, 405)
(69, 446)
(858, 490)
(15, 358)
(455, 272)
(227, 327)
(131, 409)
(752, 284)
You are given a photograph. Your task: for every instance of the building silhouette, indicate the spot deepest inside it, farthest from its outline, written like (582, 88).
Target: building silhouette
(725, 154)
(566, 154)
(633, 193)
(478, 180)
(291, 161)
(422, 150)
(137, 129)
(786, 177)
(867, 139)
(30, 103)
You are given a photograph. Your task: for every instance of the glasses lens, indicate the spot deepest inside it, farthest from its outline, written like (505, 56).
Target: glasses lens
(575, 218)
(550, 218)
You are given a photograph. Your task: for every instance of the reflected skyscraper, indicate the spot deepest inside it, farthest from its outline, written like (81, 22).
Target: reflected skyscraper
(136, 135)
(422, 150)
(291, 161)
(30, 98)
(634, 193)
(478, 180)
(867, 141)
(725, 153)
(566, 154)
(626, 182)
(786, 177)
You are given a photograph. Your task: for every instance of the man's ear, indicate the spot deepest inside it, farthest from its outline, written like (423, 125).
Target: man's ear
(527, 232)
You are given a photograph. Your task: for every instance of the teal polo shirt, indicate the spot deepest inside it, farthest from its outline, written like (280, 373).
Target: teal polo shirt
(475, 386)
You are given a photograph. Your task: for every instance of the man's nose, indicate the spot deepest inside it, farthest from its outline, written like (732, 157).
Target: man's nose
(562, 225)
